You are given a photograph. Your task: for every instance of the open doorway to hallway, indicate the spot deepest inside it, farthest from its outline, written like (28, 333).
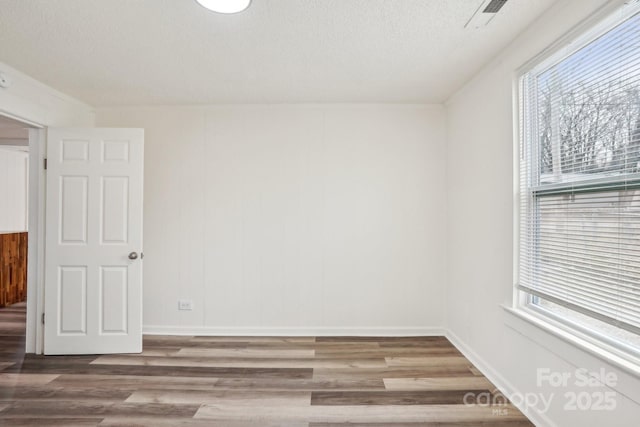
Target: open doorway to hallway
(14, 224)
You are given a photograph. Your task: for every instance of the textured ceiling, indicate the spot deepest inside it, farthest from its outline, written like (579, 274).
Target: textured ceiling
(160, 52)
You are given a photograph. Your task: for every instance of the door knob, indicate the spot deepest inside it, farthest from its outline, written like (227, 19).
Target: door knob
(133, 255)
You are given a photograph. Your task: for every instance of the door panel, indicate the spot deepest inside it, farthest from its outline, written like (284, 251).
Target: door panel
(72, 308)
(93, 290)
(73, 210)
(115, 220)
(114, 283)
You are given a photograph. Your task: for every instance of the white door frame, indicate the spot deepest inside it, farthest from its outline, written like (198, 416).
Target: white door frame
(35, 270)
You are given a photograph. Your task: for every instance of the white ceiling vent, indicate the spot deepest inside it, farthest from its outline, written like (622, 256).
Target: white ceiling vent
(484, 13)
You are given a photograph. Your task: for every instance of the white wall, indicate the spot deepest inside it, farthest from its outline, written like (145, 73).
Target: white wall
(480, 201)
(14, 180)
(292, 219)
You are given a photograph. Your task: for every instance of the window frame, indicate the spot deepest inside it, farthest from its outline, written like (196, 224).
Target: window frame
(582, 35)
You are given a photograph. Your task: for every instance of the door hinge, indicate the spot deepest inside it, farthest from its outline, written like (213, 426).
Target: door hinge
(43, 318)
(45, 164)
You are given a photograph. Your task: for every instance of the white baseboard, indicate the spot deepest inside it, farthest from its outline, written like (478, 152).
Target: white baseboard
(295, 331)
(538, 418)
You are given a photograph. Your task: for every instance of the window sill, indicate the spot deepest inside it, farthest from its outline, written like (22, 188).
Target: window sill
(575, 350)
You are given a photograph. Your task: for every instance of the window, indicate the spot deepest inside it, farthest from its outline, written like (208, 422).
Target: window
(579, 225)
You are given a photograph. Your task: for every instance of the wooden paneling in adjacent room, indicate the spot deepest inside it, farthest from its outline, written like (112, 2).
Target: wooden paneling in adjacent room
(13, 268)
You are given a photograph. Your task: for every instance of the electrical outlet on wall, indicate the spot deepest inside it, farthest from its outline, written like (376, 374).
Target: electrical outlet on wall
(185, 304)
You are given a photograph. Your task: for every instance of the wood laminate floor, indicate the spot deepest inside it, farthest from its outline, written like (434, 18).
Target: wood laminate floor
(242, 382)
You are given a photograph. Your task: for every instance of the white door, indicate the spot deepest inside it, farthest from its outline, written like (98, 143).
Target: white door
(93, 254)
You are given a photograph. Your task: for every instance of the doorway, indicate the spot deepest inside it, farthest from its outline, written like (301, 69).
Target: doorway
(108, 163)
(14, 234)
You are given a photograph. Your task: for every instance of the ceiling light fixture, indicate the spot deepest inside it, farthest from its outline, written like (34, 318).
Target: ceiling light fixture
(225, 6)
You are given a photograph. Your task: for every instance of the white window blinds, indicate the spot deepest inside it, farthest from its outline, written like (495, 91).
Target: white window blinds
(580, 180)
